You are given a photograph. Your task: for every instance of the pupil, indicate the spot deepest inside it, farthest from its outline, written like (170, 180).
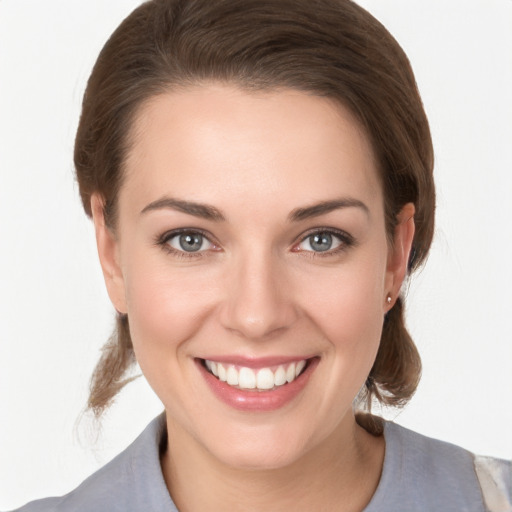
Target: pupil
(191, 242)
(321, 242)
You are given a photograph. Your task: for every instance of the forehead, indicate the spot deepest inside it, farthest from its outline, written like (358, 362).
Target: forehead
(215, 141)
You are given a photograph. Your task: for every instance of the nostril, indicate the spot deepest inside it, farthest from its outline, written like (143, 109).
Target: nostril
(258, 323)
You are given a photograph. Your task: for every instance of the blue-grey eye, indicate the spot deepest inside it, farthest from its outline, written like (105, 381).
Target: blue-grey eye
(320, 242)
(189, 242)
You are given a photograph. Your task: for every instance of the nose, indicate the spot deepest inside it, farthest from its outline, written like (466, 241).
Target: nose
(258, 301)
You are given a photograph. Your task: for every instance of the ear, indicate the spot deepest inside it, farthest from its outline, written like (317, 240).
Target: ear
(108, 252)
(399, 252)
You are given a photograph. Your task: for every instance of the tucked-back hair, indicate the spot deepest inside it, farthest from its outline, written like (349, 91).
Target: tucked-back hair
(329, 48)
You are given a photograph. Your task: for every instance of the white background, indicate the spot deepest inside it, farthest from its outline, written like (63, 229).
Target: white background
(54, 311)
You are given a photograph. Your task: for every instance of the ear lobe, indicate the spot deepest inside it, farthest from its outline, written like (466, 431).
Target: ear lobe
(399, 253)
(108, 252)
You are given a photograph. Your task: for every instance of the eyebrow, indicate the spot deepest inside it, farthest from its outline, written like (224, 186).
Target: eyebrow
(191, 208)
(209, 212)
(324, 207)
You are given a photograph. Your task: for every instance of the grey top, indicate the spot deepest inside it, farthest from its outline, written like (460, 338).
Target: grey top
(419, 474)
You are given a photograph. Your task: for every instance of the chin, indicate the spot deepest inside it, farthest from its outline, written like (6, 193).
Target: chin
(261, 447)
(262, 454)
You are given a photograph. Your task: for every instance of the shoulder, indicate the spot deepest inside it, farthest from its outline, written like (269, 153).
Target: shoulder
(495, 478)
(131, 481)
(421, 473)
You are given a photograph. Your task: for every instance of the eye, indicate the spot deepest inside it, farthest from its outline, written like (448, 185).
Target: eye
(325, 241)
(320, 242)
(189, 241)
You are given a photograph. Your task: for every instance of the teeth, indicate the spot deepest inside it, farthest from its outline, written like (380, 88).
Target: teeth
(263, 379)
(290, 373)
(222, 373)
(247, 378)
(280, 376)
(232, 376)
(299, 367)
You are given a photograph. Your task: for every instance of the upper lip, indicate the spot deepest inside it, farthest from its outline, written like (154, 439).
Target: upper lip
(256, 362)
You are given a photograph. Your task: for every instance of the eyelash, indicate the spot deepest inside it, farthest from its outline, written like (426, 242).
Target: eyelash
(346, 241)
(164, 239)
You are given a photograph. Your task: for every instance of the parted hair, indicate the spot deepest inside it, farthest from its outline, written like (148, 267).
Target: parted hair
(329, 48)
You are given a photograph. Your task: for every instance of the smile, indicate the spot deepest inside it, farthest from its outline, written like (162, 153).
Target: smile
(260, 379)
(262, 385)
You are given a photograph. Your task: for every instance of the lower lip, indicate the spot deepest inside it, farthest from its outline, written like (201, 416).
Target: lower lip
(258, 401)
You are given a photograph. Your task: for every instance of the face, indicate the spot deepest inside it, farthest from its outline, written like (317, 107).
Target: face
(251, 257)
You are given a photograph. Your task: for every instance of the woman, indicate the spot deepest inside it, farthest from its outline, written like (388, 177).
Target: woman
(260, 179)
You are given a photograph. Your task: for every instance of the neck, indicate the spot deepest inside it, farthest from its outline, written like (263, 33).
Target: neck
(341, 473)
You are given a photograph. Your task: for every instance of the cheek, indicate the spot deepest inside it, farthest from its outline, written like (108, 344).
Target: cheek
(348, 303)
(165, 306)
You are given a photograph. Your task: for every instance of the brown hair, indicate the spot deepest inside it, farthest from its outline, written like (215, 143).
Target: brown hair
(330, 48)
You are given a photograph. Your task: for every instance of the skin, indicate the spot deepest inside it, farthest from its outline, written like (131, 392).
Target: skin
(256, 289)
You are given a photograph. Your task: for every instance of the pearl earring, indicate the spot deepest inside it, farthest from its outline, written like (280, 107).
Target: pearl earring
(388, 298)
